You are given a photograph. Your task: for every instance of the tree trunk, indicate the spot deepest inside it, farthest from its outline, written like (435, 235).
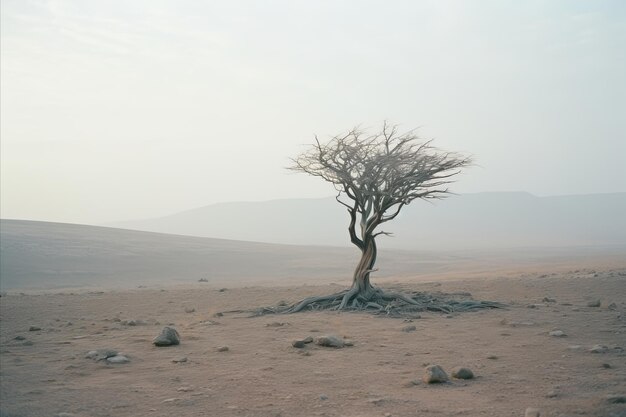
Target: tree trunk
(361, 280)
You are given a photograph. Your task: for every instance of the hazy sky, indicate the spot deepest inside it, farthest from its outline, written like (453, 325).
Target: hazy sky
(116, 110)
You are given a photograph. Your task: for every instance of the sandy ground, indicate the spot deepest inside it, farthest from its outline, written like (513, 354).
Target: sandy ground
(516, 362)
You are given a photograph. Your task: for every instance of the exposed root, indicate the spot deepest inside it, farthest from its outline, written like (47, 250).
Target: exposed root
(377, 301)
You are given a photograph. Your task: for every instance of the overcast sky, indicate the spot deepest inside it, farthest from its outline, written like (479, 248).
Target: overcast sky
(115, 110)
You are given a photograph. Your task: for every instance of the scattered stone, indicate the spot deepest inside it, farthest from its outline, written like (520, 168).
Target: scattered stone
(19, 337)
(574, 347)
(594, 303)
(34, 329)
(323, 397)
(308, 339)
(552, 394)
(348, 343)
(329, 341)
(492, 357)
(557, 333)
(180, 359)
(189, 310)
(133, 323)
(548, 300)
(616, 399)
(222, 349)
(599, 349)
(168, 336)
(299, 344)
(118, 359)
(203, 280)
(101, 354)
(575, 309)
(276, 324)
(532, 412)
(185, 389)
(170, 400)
(612, 306)
(223, 289)
(408, 329)
(434, 374)
(218, 314)
(462, 373)
(606, 366)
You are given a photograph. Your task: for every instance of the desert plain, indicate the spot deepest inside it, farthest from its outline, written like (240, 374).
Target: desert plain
(537, 352)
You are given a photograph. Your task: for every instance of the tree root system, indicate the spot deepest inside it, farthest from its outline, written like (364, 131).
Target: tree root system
(389, 303)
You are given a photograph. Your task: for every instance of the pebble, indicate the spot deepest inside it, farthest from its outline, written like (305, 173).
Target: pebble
(168, 336)
(34, 329)
(180, 359)
(101, 354)
(552, 394)
(134, 323)
(462, 373)
(408, 329)
(118, 359)
(189, 310)
(548, 300)
(329, 341)
(323, 397)
(185, 389)
(612, 306)
(557, 333)
(532, 412)
(599, 349)
(616, 399)
(20, 337)
(594, 303)
(574, 347)
(434, 374)
(222, 349)
(298, 344)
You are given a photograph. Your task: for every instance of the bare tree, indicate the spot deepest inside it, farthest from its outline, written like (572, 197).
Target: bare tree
(376, 176)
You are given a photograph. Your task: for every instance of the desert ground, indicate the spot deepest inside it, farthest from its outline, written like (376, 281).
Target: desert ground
(517, 363)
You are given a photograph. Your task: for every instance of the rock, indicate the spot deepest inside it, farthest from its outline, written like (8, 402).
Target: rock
(189, 310)
(101, 354)
(180, 359)
(532, 412)
(594, 303)
(552, 394)
(134, 323)
(492, 357)
(118, 359)
(34, 329)
(19, 337)
(223, 289)
(434, 374)
(203, 280)
(185, 389)
(612, 306)
(548, 300)
(329, 341)
(276, 324)
(298, 344)
(348, 343)
(408, 329)
(574, 347)
(168, 337)
(222, 349)
(606, 366)
(557, 333)
(616, 399)
(323, 397)
(599, 349)
(462, 373)
(27, 343)
(308, 339)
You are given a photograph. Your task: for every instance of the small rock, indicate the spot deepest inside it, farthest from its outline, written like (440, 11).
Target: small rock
(134, 323)
(189, 310)
(323, 397)
(548, 300)
(616, 399)
(408, 329)
(308, 339)
(599, 349)
(532, 412)
(223, 289)
(594, 303)
(557, 333)
(27, 343)
(574, 347)
(203, 280)
(276, 324)
(222, 349)
(101, 354)
(185, 389)
(552, 394)
(492, 357)
(329, 341)
(298, 344)
(168, 336)
(19, 337)
(606, 366)
(34, 329)
(118, 359)
(348, 343)
(434, 374)
(170, 400)
(180, 359)
(462, 373)
(612, 306)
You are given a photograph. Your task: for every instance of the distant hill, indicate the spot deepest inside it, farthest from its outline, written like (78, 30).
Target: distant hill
(469, 221)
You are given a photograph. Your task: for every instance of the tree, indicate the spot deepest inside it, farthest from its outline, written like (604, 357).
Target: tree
(376, 176)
